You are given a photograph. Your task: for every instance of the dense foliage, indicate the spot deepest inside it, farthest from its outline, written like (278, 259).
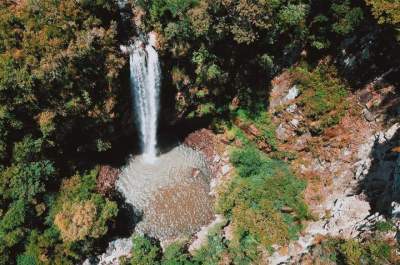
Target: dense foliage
(59, 69)
(219, 51)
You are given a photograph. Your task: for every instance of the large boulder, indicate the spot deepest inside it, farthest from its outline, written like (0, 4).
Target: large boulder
(106, 179)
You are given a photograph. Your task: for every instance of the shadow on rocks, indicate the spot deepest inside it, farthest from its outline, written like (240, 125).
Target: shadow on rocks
(380, 183)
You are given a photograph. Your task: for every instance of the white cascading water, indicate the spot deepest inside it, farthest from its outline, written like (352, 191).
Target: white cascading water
(145, 84)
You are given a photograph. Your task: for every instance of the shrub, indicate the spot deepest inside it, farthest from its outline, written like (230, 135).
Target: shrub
(176, 254)
(263, 202)
(79, 212)
(76, 221)
(386, 11)
(371, 251)
(213, 251)
(385, 226)
(144, 251)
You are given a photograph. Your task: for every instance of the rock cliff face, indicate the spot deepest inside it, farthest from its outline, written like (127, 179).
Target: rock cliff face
(352, 168)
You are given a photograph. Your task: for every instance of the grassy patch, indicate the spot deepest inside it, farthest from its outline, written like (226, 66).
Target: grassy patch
(250, 127)
(262, 121)
(385, 226)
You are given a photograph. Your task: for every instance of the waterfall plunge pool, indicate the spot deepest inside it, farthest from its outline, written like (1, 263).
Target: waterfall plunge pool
(171, 195)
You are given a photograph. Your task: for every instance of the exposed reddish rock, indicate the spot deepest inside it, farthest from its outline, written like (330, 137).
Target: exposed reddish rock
(203, 141)
(106, 179)
(211, 146)
(265, 147)
(253, 130)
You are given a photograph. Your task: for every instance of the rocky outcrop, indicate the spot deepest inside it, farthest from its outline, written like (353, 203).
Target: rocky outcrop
(207, 143)
(350, 168)
(115, 250)
(204, 141)
(106, 179)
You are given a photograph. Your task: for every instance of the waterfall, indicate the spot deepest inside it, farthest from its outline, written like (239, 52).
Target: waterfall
(145, 85)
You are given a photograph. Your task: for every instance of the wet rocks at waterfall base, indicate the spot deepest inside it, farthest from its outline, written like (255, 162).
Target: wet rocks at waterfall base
(204, 142)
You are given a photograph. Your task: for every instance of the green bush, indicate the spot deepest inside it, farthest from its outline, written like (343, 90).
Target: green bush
(176, 254)
(213, 251)
(264, 201)
(385, 226)
(144, 251)
(372, 251)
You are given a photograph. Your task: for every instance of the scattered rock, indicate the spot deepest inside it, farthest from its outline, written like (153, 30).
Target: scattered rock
(395, 210)
(292, 108)
(351, 166)
(195, 172)
(292, 93)
(364, 96)
(216, 159)
(264, 146)
(203, 141)
(295, 123)
(238, 143)
(225, 169)
(286, 209)
(253, 130)
(281, 133)
(346, 213)
(115, 250)
(391, 131)
(229, 232)
(368, 115)
(250, 129)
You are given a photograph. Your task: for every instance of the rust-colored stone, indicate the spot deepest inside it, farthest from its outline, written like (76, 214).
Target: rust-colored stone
(203, 141)
(106, 179)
